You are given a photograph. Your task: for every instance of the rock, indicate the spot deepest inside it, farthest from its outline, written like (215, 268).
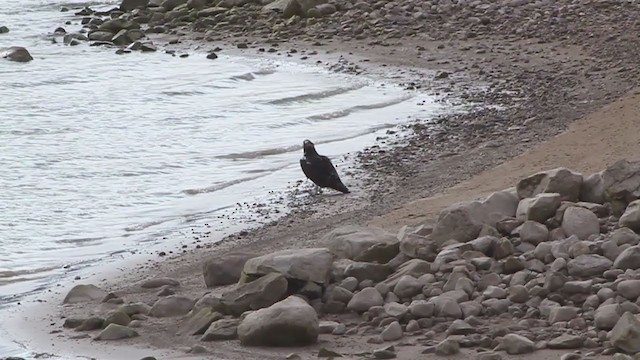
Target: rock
(592, 189)
(16, 53)
(165, 291)
(290, 322)
(327, 327)
(488, 355)
(407, 287)
(225, 270)
(562, 313)
(159, 282)
(326, 353)
(628, 259)
(447, 347)
(631, 216)
(365, 299)
(413, 326)
(196, 4)
(460, 222)
(495, 292)
(588, 265)
(257, 294)
(367, 271)
(502, 248)
(421, 309)
(100, 35)
(299, 264)
(515, 344)
(539, 208)
(199, 322)
(212, 11)
(340, 294)
(384, 353)
(518, 294)
(117, 317)
(447, 307)
(534, 232)
(566, 341)
(213, 56)
(148, 47)
(621, 181)
(72, 323)
(392, 332)
(366, 244)
(625, 235)
(92, 323)
(4, 29)
(626, 334)
(223, 329)
(172, 4)
(629, 289)
(460, 327)
(84, 293)
(607, 316)
(321, 10)
(115, 25)
(135, 308)
(396, 310)
(287, 8)
(561, 180)
(129, 5)
(580, 222)
(413, 267)
(174, 305)
(414, 245)
(116, 332)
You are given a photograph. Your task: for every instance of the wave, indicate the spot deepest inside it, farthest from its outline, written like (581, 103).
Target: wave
(218, 187)
(315, 96)
(348, 111)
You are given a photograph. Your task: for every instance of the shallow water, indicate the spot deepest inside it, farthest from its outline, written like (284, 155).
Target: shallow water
(103, 153)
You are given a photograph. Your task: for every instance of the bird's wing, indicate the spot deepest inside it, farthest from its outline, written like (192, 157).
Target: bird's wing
(328, 168)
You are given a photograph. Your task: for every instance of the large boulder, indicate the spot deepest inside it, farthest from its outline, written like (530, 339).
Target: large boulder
(116, 25)
(607, 316)
(223, 329)
(592, 189)
(225, 270)
(414, 245)
(533, 232)
(84, 293)
(588, 265)
(413, 267)
(626, 334)
(173, 305)
(539, 208)
(515, 344)
(16, 53)
(257, 294)
(298, 264)
(361, 244)
(460, 222)
(621, 181)
(628, 259)
(199, 322)
(365, 299)
(631, 216)
(561, 180)
(580, 222)
(290, 322)
(128, 5)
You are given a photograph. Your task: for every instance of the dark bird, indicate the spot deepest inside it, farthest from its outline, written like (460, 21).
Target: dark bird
(319, 169)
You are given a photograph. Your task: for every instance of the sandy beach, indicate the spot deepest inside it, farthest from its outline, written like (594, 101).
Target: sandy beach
(543, 85)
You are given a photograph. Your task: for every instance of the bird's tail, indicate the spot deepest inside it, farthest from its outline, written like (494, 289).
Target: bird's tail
(340, 187)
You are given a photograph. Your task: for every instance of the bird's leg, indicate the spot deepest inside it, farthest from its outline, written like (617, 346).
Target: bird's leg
(317, 190)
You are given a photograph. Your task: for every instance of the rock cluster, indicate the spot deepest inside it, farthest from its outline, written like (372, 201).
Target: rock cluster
(563, 269)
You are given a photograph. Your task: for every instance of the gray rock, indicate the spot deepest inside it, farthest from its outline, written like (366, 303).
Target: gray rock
(560, 180)
(327, 327)
(117, 317)
(84, 293)
(446, 307)
(407, 287)
(129, 5)
(495, 292)
(414, 245)
(421, 309)
(199, 322)
(257, 294)
(392, 332)
(365, 299)
(518, 294)
(592, 189)
(172, 4)
(588, 265)
(223, 329)
(412, 326)
(349, 283)
(539, 208)
(621, 181)
(625, 235)
(580, 222)
(338, 293)
(225, 270)
(174, 305)
(16, 53)
(460, 327)
(631, 216)
(321, 10)
(196, 4)
(159, 282)
(359, 243)
(395, 309)
(135, 308)
(290, 322)
(626, 334)
(100, 35)
(488, 355)
(534, 232)
(515, 344)
(413, 267)
(461, 222)
(92, 323)
(566, 341)
(447, 347)
(116, 332)
(4, 29)
(367, 271)
(628, 259)
(610, 250)
(562, 313)
(607, 316)
(300, 264)
(629, 289)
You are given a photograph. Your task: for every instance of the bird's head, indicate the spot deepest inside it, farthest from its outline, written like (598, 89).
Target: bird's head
(308, 147)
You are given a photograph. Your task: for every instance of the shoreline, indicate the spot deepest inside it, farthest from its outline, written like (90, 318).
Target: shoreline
(454, 162)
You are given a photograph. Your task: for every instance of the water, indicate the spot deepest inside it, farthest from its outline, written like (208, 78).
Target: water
(103, 153)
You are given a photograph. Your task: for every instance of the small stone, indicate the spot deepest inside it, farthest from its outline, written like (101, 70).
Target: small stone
(92, 323)
(515, 344)
(326, 353)
(566, 342)
(413, 326)
(562, 314)
(626, 334)
(395, 309)
(460, 327)
(447, 347)
(488, 355)
(212, 56)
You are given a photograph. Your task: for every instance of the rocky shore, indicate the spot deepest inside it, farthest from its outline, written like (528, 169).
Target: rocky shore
(548, 264)
(545, 269)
